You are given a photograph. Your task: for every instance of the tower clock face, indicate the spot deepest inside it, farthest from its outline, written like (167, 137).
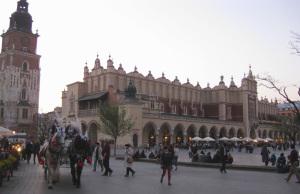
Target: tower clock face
(25, 41)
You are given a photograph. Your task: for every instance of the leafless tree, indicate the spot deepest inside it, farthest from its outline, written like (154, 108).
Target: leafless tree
(290, 125)
(295, 43)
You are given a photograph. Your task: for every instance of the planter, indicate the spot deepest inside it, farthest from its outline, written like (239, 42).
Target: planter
(6, 168)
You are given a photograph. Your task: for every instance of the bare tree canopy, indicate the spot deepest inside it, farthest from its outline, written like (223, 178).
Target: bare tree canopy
(290, 125)
(295, 43)
(270, 83)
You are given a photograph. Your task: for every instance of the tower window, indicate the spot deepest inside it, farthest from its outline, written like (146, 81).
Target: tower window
(23, 95)
(25, 67)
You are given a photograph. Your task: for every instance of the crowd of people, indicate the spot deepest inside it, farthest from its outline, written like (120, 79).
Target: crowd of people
(168, 156)
(282, 164)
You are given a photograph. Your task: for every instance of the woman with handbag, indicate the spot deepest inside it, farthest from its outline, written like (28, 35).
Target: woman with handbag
(128, 158)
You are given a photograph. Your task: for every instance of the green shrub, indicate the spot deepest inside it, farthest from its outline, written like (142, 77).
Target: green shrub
(12, 159)
(5, 164)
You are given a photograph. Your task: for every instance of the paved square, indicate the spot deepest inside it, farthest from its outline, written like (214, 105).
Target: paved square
(29, 180)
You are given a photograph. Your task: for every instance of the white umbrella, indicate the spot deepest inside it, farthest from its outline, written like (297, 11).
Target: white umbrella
(208, 139)
(5, 131)
(259, 139)
(269, 139)
(235, 139)
(196, 139)
(247, 139)
(224, 139)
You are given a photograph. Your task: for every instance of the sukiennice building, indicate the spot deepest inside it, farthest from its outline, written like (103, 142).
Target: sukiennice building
(166, 111)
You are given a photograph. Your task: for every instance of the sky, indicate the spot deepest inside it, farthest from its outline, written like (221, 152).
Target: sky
(196, 39)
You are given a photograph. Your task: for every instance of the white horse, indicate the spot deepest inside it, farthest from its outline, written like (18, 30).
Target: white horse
(52, 152)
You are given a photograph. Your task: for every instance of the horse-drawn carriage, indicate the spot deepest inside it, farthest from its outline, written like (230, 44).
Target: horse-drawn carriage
(66, 147)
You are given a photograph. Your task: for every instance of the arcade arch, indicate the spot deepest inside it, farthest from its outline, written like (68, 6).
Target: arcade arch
(213, 132)
(271, 134)
(240, 133)
(231, 132)
(223, 132)
(190, 132)
(178, 136)
(165, 134)
(264, 134)
(92, 133)
(203, 131)
(149, 135)
(252, 134)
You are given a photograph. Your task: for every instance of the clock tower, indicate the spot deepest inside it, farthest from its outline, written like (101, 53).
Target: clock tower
(19, 73)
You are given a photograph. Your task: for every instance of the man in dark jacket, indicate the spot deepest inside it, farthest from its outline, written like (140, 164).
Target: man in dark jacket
(36, 149)
(106, 155)
(294, 161)
(166, 163)
(28, 150)
(223, 157)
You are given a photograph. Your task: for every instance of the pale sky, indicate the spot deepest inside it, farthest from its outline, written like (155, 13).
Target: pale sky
(196, 39)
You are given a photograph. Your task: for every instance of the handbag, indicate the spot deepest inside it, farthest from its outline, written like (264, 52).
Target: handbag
(129, 160)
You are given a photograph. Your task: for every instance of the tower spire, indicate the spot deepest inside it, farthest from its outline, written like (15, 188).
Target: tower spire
(22, 6)
(21, 20)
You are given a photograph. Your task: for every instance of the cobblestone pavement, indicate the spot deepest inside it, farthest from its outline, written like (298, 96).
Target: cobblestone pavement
(29, 179)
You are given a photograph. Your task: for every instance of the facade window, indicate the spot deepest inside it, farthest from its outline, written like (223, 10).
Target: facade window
(72, 106)
(24, 113)
(152, 105)
(174, 111)
(1, 113)
(162, 108)
(185, 109)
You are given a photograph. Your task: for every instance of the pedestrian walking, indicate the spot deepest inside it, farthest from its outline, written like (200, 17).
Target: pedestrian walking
(223, 157)
(28, 151)
(175, 159)
(106, 155)
(97, 157)
(36, 149)
(166, 159)
(294, 162)
(265, 155)
(128, 160)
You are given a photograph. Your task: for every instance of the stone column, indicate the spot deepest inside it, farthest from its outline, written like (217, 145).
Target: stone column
(158, 139)
(184, 137)
(171, 136)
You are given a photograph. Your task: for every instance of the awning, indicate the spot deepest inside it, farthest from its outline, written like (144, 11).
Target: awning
(100, 95)
(5, 131)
